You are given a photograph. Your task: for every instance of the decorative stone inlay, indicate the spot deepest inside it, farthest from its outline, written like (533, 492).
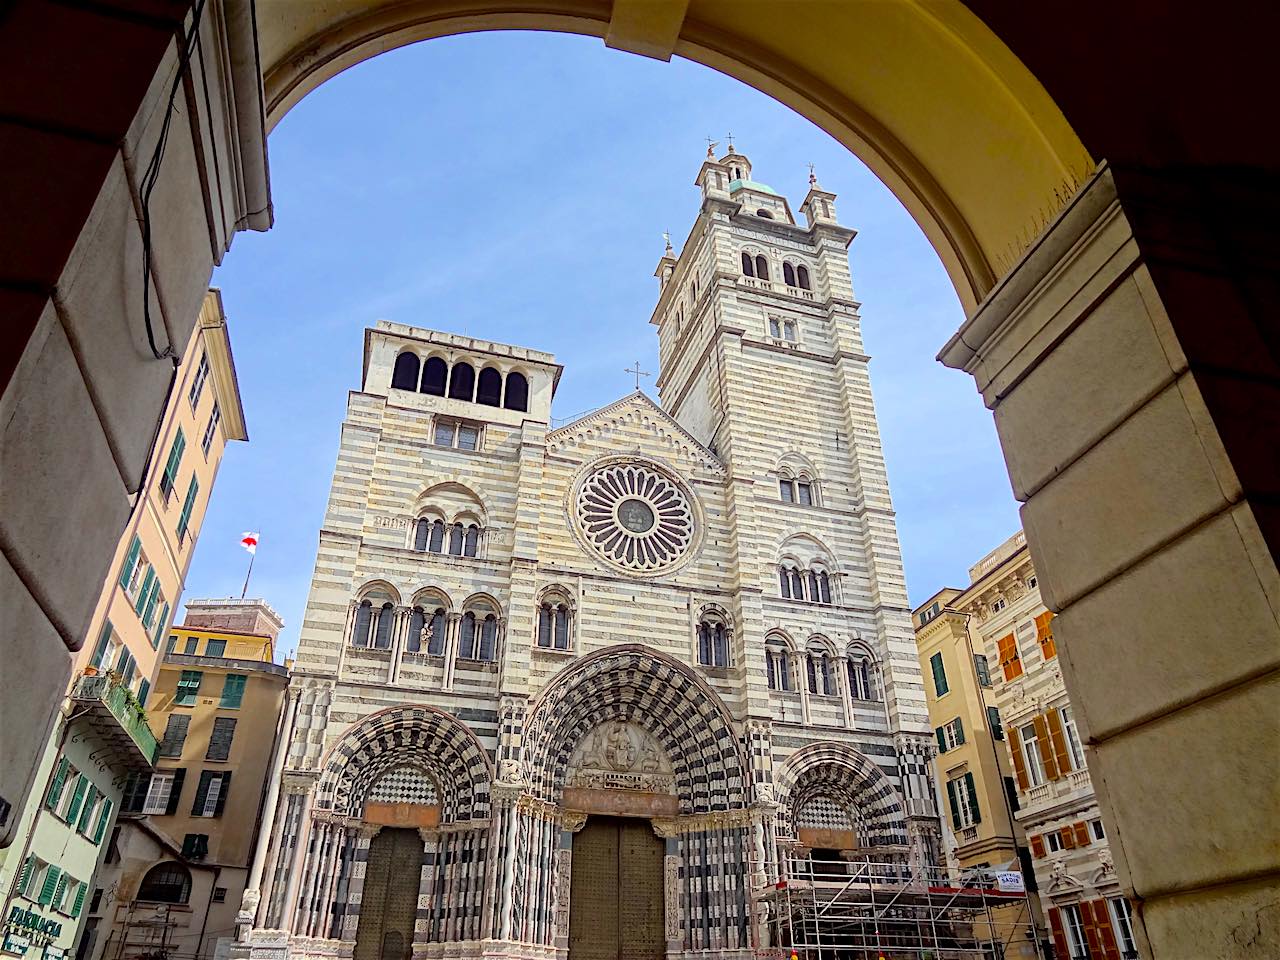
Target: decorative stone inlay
(634, 516)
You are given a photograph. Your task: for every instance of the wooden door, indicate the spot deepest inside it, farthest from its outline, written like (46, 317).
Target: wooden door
(615, 896)
(389, 900)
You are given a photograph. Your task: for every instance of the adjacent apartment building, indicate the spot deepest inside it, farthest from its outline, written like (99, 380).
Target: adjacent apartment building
(1057, 808)
(101, 736)
(975, 775)
(178, 859)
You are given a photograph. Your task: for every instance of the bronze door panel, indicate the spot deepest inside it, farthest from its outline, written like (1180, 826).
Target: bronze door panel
(615, 896)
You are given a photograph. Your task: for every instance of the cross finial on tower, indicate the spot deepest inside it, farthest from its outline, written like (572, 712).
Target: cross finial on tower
(711, 147)
(637, 372)
(666, 235)
(730, 139)
(813, 178)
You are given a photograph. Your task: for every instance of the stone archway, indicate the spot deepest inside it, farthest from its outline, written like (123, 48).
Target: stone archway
(838, 771)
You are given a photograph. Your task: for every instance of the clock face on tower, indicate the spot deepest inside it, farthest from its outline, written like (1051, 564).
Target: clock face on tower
(635, 516)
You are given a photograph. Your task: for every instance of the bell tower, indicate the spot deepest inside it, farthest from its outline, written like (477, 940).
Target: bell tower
(762, 359)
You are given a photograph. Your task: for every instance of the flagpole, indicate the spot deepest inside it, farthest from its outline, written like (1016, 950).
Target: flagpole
(253, 556)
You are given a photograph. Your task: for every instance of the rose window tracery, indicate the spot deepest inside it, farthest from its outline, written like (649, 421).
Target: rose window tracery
(635, 517)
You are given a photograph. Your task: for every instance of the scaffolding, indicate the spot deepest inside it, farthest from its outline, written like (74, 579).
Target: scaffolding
(866, 910)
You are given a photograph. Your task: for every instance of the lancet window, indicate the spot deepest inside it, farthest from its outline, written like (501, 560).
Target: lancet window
(778, 664)
(813, 584)
(713, 639)
(555, 622)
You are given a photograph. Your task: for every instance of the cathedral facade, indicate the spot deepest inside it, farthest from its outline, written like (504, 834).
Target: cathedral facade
(582, 692)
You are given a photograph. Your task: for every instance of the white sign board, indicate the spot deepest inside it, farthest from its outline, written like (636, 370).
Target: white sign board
(1010, 882)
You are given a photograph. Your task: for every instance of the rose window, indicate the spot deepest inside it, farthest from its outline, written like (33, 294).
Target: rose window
(635, 517)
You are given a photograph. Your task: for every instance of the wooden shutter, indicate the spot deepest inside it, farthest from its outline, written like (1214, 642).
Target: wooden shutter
(1090, 929)
(86, 814)
(973, 798)
(104, 817)
(959, 731)
(222, 794)
(141, 603)
(955, 804)
(77, 798)
(75, 908)
(1044, 635)
(939, 675)
(1067, 837)
(942, 739)
(1015, 750)
(1106, 935)
(1059, 740)
(1059, 937)
(175, 792)
(24, 878)
(51, 877)
(59, 781)
(1045, 747)
(1037, 847)
(1082, 834)
(160, 626)
(202, 791)
(126, 572)
(1009, 658)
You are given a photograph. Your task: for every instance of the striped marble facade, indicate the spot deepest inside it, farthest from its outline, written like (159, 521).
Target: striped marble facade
(497, 760)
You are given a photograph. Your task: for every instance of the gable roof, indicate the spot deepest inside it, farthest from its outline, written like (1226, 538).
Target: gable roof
(695, 448)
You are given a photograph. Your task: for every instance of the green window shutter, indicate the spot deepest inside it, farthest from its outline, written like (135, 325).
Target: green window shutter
(942, 740)
(104, 817)
(188, 504)
(51, 877)
(161, 626)
(955, 804)
(100, 650)
(24, 878)
(58, 891)
(939, 674)
(149, 616)
(76, 907)
(188, 687)
(973, 797)
(132, 558)
(144, 689)
(233, 690)
(202, 791)
(86, 813)
(222, 793)
(959, 731)
(77, 798)
(175, 792)
(59, 780)
(170, 475)
(141, 602)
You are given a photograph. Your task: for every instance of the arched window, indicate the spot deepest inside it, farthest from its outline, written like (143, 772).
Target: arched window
(435, 642)
(826, 211)
(417, 621)
(789, 330)
(748, 266)
(824, 586)
(467, 636)
(421, 534)
(435, 542)
(364, 620)
(713, 641)
(787, 489)
(762, 212)
(471, 541)
(404, 376)
(462, 381)
(737, 173)
(762, 267)
(811, 671)
(488, 638)
(382, 632)
(777, 665)
(828, 678)
(166, 883)
(562, 627)
(859, 667)
(802, 275)
(814, 592)
(546, 625)
(804, 492)
(788, 274)
(784, 583)
(489, 387)
(775, 330)
(517, 396)
(797, 584)
(434, 373)
(456, 537)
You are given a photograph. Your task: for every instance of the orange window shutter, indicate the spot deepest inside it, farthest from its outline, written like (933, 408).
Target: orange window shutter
(1106, 935)
(1059, 937)
(1045, 747)
(1059, 741)
(1037, 846)
(1019, 765)
(1068, 838)
(1082, 834)
(1090, 928)
(1044, 634)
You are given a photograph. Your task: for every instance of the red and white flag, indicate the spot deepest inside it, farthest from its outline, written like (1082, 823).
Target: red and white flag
(250, 542)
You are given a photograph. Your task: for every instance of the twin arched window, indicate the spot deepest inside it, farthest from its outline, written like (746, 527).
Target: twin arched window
(478, 635)
(777, 663)
(555, 623)
(813, 584)
(796, 276)
(713, 640)
(796, 489)
(757, 267)
(818, 670)
(456, 539)
(373, 625)
(459, 382)
(427, 632)
(859, 668)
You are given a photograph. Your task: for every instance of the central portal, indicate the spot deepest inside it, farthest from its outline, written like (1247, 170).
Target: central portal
(390, 900)
(615, 896)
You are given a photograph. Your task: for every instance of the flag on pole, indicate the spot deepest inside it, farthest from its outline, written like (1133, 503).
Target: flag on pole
(250, 542)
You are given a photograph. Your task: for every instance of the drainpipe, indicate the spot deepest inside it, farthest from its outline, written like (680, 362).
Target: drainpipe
(204, 922)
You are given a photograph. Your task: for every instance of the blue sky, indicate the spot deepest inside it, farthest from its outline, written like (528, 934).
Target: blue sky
(515, 186)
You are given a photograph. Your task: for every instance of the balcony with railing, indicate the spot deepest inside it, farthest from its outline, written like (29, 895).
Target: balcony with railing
(118, 724)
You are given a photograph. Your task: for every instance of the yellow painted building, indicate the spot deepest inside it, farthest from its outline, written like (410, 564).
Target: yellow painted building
(188, 828)
(101, 736)
(978, 793)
